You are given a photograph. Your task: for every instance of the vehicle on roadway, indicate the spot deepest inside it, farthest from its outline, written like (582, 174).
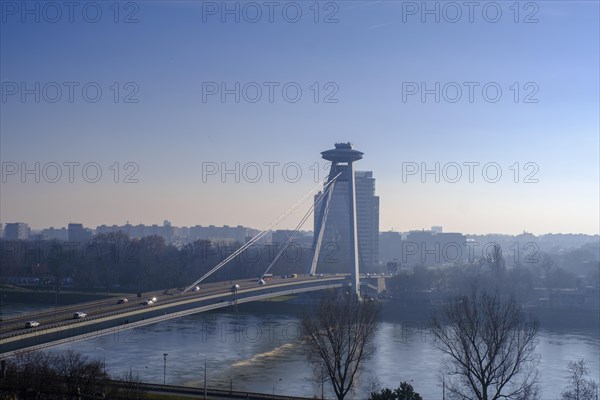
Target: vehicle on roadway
(147, 303)
(31, 324)
(79, 315)
(154, 299)
(293, 275)
(122, 301)
(196, 289)
(261, 282)
(235, 288)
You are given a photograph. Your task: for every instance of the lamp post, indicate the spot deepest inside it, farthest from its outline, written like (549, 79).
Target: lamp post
(276, 385)
(322, 383)
(201, 354)
(165, 368)
(444, 388)
(104, 357)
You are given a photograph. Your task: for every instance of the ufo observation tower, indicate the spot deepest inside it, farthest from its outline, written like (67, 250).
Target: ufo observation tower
(342, 158)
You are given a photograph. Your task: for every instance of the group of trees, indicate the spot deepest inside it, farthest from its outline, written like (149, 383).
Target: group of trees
(487, 341)
(404, 391)
(580, 387)
(149, 263)
(65, 375)
(545, 271)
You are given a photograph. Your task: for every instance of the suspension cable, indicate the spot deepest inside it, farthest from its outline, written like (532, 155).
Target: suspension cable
(260, 234)
(300, 224)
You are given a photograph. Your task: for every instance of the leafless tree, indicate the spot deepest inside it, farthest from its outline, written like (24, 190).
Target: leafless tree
(579, 387)
(489, 346)
(44, 375)
(79, 375)
(339, 335)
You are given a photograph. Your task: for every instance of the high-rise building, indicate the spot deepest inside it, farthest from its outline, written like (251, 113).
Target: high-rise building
(390, 246)
(429, 248)
(77, 233)
(337, 227)
(16, 231)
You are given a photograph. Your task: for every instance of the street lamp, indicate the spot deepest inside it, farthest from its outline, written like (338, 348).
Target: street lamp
(276, 385)
(165, 369)
(104, 361)
(201, 354)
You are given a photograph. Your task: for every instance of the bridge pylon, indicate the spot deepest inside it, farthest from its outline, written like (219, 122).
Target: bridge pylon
(342, 158)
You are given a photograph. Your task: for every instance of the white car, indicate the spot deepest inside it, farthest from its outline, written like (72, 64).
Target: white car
(261, 282)
(154, 299)
(122, 301)
(196, 289)
(147, 303)
(31, 324)
(79, 315)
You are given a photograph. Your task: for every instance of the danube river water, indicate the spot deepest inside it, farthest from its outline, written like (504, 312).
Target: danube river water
(260, 352)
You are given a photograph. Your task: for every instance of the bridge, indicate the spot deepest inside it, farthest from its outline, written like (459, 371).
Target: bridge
(58, 326)
(78, 322)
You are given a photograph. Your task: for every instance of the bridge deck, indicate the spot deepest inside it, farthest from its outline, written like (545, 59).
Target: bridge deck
(105, 316)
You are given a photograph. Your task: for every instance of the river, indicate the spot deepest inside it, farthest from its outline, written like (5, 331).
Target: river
(259, 351)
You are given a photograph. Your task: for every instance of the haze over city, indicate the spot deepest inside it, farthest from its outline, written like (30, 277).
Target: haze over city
(170, 125)
(276, 200)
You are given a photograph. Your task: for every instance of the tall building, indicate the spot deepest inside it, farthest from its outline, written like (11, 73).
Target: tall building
(77, 233)
(337, 228)
(429, 248)
(16, 231)
(390, 246)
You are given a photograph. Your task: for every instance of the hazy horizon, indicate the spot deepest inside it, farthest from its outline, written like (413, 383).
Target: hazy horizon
(162, 119)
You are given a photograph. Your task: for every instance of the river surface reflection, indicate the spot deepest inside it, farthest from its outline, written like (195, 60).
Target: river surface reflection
(261, 352)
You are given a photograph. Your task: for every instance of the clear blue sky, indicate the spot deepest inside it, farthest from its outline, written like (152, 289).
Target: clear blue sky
(367, 56)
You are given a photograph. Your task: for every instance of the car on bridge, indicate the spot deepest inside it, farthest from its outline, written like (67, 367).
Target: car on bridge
(122, 301)
(147, 303)
(261, 282)
(79, 315)
(196, 288)
(31, 324)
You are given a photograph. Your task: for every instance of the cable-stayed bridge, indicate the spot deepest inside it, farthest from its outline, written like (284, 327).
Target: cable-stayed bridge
(78, 322)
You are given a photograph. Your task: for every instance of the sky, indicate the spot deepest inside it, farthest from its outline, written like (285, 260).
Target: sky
(216, 112)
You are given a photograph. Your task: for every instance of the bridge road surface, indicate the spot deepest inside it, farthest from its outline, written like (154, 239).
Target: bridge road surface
(58, 326)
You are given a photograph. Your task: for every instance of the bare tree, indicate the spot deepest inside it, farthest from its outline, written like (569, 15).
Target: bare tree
(489, 347)
(579, 387)
(338, 336)
(42, 375)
